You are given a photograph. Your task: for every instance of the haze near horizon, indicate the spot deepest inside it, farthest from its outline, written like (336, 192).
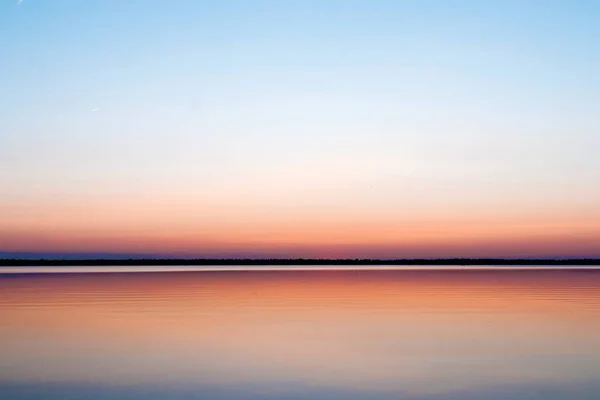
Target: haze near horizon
(350, 129)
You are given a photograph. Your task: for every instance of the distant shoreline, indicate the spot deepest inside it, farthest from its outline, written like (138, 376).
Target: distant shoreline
(280, 262)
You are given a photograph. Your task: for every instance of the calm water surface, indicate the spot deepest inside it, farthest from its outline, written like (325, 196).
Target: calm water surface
(385, 334)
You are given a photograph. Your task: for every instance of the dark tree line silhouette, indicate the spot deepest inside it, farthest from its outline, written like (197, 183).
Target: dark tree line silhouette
(297, 261)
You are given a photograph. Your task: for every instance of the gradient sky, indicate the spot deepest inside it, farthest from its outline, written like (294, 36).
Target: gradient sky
(300, 128)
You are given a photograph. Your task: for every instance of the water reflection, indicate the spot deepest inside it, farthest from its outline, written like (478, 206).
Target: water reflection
(301, 335)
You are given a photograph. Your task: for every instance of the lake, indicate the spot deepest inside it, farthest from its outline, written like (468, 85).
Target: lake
(407, 333)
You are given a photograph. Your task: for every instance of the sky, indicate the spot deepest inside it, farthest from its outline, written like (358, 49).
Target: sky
(380, 128)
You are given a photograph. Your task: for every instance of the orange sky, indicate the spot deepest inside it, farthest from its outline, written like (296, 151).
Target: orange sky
(221, 131)
(165, 226)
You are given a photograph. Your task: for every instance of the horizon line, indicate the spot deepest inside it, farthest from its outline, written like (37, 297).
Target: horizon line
(294, 261)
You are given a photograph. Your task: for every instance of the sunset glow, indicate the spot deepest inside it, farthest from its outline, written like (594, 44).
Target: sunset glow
(383, 129)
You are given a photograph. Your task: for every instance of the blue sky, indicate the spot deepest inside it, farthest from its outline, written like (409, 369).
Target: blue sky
(445, 108)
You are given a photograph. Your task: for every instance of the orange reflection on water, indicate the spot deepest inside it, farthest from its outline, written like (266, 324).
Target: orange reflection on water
(415, 331)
